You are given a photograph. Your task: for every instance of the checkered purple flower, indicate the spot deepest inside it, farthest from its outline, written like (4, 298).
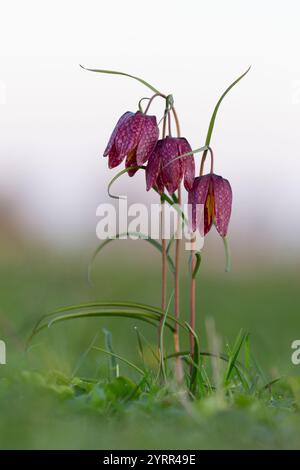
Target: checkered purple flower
(164, 170)
(214, 194)
(134, 137)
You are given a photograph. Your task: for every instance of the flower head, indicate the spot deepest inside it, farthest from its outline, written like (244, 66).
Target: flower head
(215, 195)
(163, 172)
(134, 137)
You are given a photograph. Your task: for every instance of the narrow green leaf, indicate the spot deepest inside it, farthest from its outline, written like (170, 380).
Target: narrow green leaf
(84, 355)
(164, 197)
(108, 344)
(117, 176)
(193, 152)
(150, 318)
(247, 351)
(197, 264)
(170, 243)
(214, 114)
(272, 382)
(140, 344)
(237, 365)
(260, 372)
(114, 72)
(234, 355)
(92, 314)
(89, 305)
(141, 312)
(148, 344)
(204, 382)
(173, 201)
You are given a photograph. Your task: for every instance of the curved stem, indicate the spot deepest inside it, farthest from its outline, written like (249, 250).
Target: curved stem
(151, 99)
(163, 259)
(209, 149)
(193, 262)
(164, 124)
(140, 103)
(193, 299)
(163, 251)
(163, 269)
(169, 125)
(175, 115)
(178, 363)
(176, 121)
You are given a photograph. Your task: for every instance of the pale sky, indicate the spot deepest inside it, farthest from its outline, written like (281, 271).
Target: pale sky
(55, 118)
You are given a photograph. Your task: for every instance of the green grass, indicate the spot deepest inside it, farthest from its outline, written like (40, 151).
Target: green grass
(64, 393)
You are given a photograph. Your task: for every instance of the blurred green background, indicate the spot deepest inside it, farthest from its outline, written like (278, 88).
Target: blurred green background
(260, 300)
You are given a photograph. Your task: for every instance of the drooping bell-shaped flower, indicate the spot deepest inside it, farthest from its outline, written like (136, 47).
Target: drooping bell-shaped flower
(134, 137)
(165, 170)
(214, 194)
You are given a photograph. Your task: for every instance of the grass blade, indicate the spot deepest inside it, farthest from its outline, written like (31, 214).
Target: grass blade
(233, 356)
(148, 344)
(247, 351)
(114, 368)
(121, 358)
(84, 355)
(140, 344)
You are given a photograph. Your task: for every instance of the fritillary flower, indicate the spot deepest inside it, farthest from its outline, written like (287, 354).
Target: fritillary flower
(165, 170)
(215, 196)
(134, 137)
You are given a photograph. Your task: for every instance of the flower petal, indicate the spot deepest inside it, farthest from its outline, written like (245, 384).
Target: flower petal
(171, 172)
(114, 158)
(197, 199)
(159, 184)
(208, 215)
(110, 144)
(187, 163)
(131, 161)
(148, 138)
(153, 166)
(128, 134)
(223, 202)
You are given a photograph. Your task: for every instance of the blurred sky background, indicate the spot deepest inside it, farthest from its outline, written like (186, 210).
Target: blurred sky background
(55, 118)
